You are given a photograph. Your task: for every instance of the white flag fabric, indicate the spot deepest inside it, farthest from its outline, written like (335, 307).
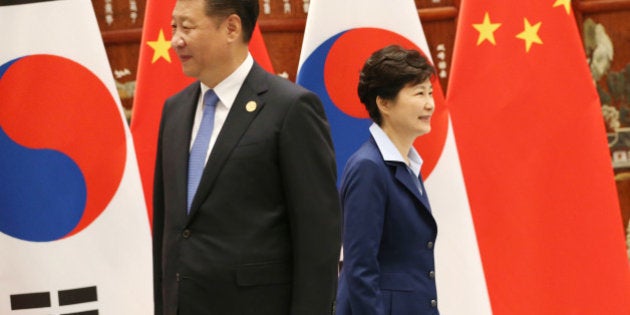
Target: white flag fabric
(74, 231)
(335, 46)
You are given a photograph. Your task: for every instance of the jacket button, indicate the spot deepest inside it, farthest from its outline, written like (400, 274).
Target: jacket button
(433, 303)
(430, 245)
(432, 274)
(186, 233)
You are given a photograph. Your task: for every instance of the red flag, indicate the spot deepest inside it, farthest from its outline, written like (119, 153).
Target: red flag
(258, 49)
(160, 76)
(535, 160)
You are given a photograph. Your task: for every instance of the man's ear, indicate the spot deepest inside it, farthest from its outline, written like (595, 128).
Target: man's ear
(234, 27)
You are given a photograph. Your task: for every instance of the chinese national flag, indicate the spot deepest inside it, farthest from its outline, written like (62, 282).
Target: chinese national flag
(535, 160)
(160, 76)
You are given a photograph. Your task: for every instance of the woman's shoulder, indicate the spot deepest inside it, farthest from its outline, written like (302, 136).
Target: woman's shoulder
(367, 156)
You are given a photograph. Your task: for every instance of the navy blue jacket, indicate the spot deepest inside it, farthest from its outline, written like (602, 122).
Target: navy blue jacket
(388, 239)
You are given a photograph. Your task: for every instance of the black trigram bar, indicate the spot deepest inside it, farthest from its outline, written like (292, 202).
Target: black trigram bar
(93, 312)
(30, 300)
(77, 296)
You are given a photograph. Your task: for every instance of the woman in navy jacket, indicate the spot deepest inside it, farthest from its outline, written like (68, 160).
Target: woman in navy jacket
(389, 231)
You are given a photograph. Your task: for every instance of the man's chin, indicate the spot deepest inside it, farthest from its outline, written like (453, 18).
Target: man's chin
(189, 71)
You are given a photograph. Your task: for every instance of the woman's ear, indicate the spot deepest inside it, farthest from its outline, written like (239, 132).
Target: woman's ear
(383, 105)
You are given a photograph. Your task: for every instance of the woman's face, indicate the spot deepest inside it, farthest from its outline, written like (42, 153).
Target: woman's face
(410, 112)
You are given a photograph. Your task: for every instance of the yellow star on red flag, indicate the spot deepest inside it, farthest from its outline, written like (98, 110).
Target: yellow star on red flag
(530, 34)
(565, 3)
(486, 30)
(160, 48)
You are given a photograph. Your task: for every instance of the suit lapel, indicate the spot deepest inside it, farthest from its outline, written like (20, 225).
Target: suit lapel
(403, 176)
(238, 120)
(425, 198)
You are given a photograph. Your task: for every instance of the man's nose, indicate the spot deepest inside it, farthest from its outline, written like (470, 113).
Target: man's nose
(177, 41)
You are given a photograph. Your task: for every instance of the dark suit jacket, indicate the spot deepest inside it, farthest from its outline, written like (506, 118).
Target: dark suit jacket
(263, 235)
(388, 239)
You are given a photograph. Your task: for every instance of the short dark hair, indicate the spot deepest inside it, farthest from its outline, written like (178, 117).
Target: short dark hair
(247, 10)
(386, 72)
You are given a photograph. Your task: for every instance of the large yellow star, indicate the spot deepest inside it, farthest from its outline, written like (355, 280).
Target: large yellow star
(565, 3)
(530, 35)
(486, 30)
(160, 48)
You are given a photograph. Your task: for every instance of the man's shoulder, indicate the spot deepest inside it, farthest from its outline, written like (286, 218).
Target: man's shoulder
(276, 84)
(290, 86)
(186, 92)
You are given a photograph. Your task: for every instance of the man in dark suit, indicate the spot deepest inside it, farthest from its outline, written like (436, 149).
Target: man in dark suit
(260, 233)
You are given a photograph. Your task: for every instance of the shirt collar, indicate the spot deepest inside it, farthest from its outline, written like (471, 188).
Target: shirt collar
(390, 153)
(227, 89)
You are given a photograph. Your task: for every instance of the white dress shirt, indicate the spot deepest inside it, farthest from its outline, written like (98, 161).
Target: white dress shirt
(390, 152)
(226, 90)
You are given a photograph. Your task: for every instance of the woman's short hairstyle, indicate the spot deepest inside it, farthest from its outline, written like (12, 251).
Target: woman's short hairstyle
(386, 72)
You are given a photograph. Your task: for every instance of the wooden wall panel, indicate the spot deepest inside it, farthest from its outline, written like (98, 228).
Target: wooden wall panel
(282, 47)
(282, 23)
(605, 29)
(434, 3)
(439, 30)
(120, 22)
(623, 188)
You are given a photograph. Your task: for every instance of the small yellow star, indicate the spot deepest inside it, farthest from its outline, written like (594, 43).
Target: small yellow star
(486, 30)
(530, 35)
(565, 3)
(160, 48)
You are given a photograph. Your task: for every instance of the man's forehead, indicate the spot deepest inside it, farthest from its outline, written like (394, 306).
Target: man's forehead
(189, 8)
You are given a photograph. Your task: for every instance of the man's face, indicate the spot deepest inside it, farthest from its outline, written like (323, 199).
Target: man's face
(199, 40)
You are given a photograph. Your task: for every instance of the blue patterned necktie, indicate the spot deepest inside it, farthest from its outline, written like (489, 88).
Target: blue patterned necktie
(199, 150)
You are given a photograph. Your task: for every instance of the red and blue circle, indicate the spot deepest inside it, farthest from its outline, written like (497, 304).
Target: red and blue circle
(332, 72)
(63, 148)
